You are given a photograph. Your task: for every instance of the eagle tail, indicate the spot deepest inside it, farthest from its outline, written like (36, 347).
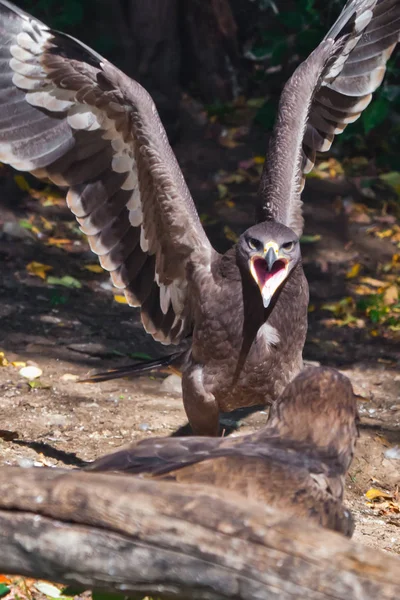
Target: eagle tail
(173, 363)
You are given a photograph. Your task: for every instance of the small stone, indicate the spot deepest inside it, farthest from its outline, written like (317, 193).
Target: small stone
(14, 229)
(26, 463)
(50, 319)
(172, 385)
(393, 453)
(30, 372)
(144, 427)
(69, 377)
(57, 420)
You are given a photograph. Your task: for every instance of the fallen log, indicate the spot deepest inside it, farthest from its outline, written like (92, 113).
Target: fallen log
(143, 537)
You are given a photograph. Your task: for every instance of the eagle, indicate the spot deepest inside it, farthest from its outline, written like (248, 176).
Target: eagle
(296, 463)
(69, 116)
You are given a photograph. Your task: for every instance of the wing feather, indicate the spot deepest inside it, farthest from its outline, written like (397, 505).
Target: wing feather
(70, 116)
(327, 92)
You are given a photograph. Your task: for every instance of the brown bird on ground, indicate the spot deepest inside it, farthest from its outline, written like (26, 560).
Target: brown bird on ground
(298, 462)
(68, 115)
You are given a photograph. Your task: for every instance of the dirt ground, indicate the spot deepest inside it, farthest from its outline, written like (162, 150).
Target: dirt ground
(66, 332)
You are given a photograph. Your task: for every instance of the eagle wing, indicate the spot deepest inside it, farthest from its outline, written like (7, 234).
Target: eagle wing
(327, 91)
(68, 115)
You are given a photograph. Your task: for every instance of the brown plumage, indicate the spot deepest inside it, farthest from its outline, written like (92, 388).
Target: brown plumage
(297, 462)
(68, 115)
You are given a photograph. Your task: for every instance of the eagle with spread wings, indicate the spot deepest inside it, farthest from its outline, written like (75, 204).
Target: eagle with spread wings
(69, 116)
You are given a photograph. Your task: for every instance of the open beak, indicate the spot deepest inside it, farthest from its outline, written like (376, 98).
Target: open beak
(269, 270)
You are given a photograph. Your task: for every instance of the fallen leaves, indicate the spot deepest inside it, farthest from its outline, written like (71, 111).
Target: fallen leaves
(392, 179)
(391, 295)
(310, 239)
(353, 271)
(22, 183)
(58, 242)
(230, 234)
(48, 589)
(374, 302)
(38, 269)
(21, 588)
(383, 502)
(67, 281)
(327, 169)
(120, 299)
(93, 268)
(229, 137)
(4, 362)
(375, 494)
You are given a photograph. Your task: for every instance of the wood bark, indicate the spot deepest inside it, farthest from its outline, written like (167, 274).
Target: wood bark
(145, 537)
(211, 57)
(149, 35)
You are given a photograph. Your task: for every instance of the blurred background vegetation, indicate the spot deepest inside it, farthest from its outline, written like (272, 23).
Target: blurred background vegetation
(219, 50)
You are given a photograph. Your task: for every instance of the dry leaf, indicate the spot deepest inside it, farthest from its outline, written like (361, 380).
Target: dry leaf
(52, 241)
(3, 361)
(374, 494)
(391, 295)
(121, 299)
(384, 234)
(94, 268)
(230, 234)
(227, 139)
(373, 282)
(222, 190)
(66, 281)
(354, 271)
(22, 183)
(38, 269)
(48, 589)
(246, 164)
(47, 225)
(364, 290)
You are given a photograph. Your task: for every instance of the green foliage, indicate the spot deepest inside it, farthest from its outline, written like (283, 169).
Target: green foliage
(374, 308)
(4, 590)
(289, 39)
(73, 16)
(219, 109)
(60, 15)
(266, 115)
(107, 596)
(375, 114)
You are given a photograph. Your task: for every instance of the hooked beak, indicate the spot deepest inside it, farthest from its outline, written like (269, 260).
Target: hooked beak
(269, 270)
(270, 258)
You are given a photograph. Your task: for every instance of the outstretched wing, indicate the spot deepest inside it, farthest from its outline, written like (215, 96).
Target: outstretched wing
(68, 115)
(327, 91)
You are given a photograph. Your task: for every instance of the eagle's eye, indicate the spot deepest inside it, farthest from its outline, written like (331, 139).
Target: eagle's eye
(288, 246)
(254, 244)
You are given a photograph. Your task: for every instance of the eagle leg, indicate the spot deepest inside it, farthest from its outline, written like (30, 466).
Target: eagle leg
(201, 406)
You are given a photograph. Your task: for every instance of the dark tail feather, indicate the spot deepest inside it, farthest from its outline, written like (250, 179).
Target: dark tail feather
(173, 360)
